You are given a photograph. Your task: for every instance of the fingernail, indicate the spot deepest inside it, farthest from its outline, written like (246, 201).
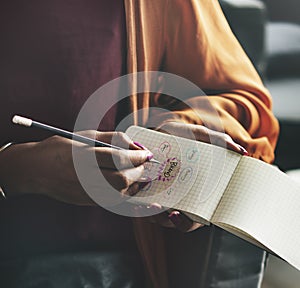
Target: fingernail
(150, 156)
(243, 150)
(144, 179)
(140, 145)
(175, 217)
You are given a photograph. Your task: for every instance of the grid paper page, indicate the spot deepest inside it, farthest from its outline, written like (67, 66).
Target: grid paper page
(203, 172)
(213, 177)
(263, 202)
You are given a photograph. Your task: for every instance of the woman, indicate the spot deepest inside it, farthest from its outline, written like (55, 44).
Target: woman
(59, 54)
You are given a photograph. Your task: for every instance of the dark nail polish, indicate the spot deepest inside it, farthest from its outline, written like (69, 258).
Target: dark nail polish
(243, 150)
(140, 145)
(150, 156)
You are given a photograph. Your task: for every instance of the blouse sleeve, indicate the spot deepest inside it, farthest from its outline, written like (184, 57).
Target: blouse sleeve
(201, 48)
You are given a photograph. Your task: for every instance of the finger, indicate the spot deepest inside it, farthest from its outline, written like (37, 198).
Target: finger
(203, 134)
(133, 189)
(119, 139)
(153, 213)
(137, 186)
(121, 159)
(174, 219)
(146, 212)
(237, 148)
(224, 140)
(123, 180)
(163, 220)
(140, 146)
(155, 209)
(178, 129)
(182, 222)
(159, 216)
(192, 131)
(243, 151)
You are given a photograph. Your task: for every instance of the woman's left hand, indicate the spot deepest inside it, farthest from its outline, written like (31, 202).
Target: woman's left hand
(173, 219)
(176, 219)
(202, 134)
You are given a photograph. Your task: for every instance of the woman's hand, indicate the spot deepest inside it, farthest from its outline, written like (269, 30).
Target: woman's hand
(203, 134)
(47, 167)
(176, 219)
(173, 219)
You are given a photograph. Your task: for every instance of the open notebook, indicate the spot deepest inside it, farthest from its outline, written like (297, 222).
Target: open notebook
(210, 184)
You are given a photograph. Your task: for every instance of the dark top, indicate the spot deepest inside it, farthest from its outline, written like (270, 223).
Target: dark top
(53, 56)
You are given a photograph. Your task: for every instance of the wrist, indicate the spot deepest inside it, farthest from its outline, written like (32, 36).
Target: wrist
(13, 169)
(4, 147)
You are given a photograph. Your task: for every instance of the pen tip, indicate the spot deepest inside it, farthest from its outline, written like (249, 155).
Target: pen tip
(154, 161)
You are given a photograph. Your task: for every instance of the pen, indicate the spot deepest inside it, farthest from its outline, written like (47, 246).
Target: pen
(67, 134)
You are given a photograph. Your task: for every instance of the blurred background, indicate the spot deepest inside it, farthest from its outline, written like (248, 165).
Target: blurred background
(269, 31)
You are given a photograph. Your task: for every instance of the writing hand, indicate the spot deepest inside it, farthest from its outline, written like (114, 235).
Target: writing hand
(47, 167)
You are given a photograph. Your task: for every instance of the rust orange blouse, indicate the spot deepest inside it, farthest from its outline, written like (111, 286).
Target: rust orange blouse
(192, 39)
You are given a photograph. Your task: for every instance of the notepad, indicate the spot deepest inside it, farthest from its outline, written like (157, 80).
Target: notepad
(210, 184)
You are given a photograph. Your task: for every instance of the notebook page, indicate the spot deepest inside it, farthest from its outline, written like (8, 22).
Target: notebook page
(210, 184)
(242, 235)
(197, 182)
(263, 202)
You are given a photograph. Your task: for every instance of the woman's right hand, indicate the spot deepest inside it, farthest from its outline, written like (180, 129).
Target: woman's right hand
(47, 167)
